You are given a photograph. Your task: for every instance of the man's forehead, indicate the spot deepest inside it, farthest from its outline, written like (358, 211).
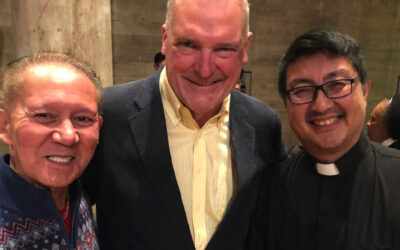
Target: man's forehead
(325, 58)
(207, 11)
(52, 71)
(326, 67)
(207, 27)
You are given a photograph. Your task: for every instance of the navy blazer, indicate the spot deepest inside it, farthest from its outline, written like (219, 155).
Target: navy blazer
(132, 181)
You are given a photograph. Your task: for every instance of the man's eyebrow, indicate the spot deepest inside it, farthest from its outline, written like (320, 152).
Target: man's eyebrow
(340, 72)
(54, 105)
(229, 45)
(219, 45)
(299, 80)
(184, 38)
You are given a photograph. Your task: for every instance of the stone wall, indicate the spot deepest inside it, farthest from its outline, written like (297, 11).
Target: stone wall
(136, 37)
(7, 46)
(81, 29)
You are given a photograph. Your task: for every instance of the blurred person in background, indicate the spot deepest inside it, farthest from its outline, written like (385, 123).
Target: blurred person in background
(393, 121)
(384, 125)
(377, 130)
(159, 61)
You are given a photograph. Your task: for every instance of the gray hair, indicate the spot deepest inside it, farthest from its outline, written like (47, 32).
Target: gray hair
(14, 80)
(243, 3)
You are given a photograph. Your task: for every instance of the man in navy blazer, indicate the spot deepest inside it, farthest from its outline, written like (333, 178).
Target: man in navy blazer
(141, 201)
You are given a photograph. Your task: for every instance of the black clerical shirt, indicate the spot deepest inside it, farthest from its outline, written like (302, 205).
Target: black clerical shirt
(357, 209)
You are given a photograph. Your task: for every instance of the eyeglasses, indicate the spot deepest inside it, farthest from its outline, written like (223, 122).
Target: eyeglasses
(333, 90)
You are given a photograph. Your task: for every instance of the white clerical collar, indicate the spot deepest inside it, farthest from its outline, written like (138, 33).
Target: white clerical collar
(387, 142)
(329, 169)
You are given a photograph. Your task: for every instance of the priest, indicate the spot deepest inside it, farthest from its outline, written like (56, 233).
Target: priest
(341, 191)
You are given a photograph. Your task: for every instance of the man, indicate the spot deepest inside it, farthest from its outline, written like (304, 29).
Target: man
(383, 126)
(181, 154)
(376, 126)
(393, 121)
(50, 119)
(342, 191)
(159, 61)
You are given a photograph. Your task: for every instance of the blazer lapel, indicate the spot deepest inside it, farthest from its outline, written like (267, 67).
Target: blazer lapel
(150, 135)
(237, 216)
(243, 142)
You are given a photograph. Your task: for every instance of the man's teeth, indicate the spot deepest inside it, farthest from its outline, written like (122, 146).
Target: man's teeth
(326, 122)
(60, 159)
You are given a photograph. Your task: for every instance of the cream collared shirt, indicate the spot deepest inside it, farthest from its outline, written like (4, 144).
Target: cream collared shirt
(201, 158)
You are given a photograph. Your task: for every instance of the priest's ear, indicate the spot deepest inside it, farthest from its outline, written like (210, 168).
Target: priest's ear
(4, 127)
(367, 86)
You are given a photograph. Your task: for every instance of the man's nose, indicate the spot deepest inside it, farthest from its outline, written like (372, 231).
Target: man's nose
(205, 64)
(66, 133)
(321, 102)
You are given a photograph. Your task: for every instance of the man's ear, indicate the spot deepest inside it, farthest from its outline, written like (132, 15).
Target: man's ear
(4, 127)
(246, 47)
(164, 39)
(100, 118)
(367, 86)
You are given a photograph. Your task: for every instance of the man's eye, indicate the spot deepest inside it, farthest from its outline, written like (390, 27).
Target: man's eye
(44, 117)
(186, 47)
(225, 52)
(337, 84)
(41, 115)
(302, 91)
(82, 120)
(336, 87)
(187, 44)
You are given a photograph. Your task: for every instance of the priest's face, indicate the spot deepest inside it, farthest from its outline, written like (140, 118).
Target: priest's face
(327, 128)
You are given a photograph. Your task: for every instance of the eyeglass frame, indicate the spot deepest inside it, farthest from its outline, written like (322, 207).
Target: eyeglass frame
(321, 87)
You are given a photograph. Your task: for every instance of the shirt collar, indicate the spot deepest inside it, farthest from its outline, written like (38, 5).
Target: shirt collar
(171, 103)
(178, 112)
(329, 169)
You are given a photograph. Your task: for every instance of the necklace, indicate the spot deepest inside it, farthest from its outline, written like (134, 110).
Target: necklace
(65, 215)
